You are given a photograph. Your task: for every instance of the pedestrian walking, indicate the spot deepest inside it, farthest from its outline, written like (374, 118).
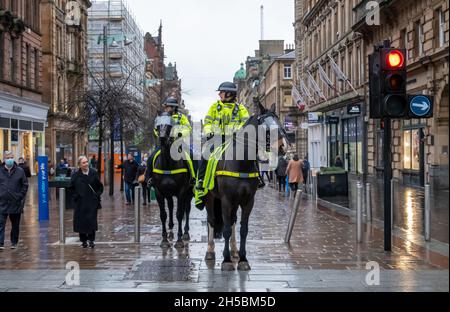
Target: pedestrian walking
(294, 171)
(338, 161)
(306, 167)
(280, 171)
(86, 191)
(142, 180)
(13, 190)
(130, 167)
(93, 163)
(25, 167)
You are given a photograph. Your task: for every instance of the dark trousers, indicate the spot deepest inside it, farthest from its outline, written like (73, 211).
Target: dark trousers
(266, 173)
(281, 183)
(145, 193)
(87, 237)
(294, 187)
(129, 191)
(15, 228)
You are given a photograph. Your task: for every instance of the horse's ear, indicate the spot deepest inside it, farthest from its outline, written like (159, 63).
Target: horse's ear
(261, 107)
(273, 108)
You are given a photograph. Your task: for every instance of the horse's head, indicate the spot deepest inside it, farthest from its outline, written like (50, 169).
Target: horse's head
(164, 125)
(268, 119)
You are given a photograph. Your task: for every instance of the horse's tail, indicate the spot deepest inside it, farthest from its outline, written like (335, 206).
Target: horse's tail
(218, 220)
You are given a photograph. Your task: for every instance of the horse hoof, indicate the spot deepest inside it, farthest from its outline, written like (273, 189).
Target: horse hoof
(171, 235)
(244, 266)
(179, 244)
(165, 244)
(186, 237)
(235, 254)
(227, 266)
(210, 256)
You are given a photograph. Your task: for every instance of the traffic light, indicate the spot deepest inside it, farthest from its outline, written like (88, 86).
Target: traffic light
(393, 82)
(387, 81)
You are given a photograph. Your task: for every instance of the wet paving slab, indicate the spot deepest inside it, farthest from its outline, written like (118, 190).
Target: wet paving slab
(322, 255)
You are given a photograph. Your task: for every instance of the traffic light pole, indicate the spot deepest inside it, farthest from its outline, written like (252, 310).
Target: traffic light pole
(387, 183)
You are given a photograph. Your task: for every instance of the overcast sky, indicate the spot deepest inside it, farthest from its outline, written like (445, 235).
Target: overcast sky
(208, 39)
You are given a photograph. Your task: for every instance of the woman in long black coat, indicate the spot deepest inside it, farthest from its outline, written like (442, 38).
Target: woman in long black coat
(87, 190)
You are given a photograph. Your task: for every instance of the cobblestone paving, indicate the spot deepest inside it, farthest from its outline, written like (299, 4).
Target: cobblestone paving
(323, 254)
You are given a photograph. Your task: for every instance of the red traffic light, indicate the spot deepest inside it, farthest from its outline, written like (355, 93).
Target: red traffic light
(395, 59)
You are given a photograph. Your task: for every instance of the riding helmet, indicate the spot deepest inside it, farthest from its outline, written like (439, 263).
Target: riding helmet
(171, 101)
(228, 87)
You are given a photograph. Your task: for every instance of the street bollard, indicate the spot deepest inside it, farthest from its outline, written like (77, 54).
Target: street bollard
(314, 187)
(294, 212)
(392, 203)
(359, 202)
(291, 197)
(62, 210)
(137, 214)
(427, 218)
(368, 202)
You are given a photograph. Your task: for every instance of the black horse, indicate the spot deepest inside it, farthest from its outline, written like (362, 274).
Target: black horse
(230, 192)
(171, 179)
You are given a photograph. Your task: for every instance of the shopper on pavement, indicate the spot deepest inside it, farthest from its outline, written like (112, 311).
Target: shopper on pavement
(338, 161)
(280, 171)
(25, 167)
(142, 174)
(130, 167)
(294, 171)
(87, 190)
(13, 190)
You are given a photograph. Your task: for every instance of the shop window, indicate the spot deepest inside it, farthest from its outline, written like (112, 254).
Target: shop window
(5, 123)
(411, 149)
(24, 125)
(14, 124)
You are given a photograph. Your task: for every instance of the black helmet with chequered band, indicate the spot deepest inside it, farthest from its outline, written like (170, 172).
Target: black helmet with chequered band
(171, 101)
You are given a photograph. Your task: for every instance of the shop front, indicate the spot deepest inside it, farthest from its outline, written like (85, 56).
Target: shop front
(22, 126)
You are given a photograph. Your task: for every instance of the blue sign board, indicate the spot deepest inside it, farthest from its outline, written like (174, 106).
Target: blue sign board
(43, 188)
(420, 106)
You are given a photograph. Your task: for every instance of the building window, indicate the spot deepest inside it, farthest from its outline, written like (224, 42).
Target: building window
(2, 55)
(36, 69)
(441, 27)
(287, 71)
(419, 38)
(28, 65)
(12, 59)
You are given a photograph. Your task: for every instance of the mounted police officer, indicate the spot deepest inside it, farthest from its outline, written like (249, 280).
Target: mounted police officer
(182, 128)
(224, 118)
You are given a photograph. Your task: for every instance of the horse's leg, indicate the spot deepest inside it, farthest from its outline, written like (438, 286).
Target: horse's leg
(246, 210)
(163, 215)
(210, 253)
(187, 209)
(180, 213)
(227, 210)
(171, 224)
(233, 242)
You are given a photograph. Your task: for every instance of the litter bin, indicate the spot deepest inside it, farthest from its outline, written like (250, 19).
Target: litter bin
(62, 182)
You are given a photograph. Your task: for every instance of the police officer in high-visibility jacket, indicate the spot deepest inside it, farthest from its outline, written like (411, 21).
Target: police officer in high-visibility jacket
(181, 126)
(224, 117)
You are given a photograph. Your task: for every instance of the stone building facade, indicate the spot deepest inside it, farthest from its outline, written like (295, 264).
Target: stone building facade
(64, 77)
(420, 146)
(23, 113)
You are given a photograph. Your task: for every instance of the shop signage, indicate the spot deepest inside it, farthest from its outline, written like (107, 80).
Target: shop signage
(332, 120)
(17, 109)
(314, 117)
(43, 188)
(354, 109)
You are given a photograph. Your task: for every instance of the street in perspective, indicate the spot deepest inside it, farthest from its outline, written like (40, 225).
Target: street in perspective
(221, 146)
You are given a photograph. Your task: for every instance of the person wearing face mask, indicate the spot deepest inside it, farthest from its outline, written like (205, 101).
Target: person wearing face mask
(13, 190)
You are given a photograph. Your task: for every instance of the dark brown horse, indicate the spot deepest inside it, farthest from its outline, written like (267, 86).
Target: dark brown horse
(230, 193)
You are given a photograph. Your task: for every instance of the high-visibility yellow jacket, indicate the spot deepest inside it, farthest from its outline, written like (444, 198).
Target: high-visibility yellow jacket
(181, 125)
(225, 118)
